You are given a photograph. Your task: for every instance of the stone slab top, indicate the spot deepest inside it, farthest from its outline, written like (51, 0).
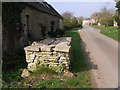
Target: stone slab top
(56, 44)
(62, 47)
(32, 48)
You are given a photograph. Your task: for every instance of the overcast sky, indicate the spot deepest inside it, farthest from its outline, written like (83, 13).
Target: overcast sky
(80, 8)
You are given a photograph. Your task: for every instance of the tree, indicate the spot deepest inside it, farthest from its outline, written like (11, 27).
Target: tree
(96, 15)
(118, 10)
(67, 15)
(116, 18)
(80, 20)
(74, 21)
(118, 7)
(70, 21)
(104, 16)
(103, 21)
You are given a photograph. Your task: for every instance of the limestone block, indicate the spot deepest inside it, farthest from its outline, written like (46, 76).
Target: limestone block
(38, 44)
(67, 67)
(55, 65)
(68, 74)
(68, 39)
(32, 48)
(54, 53)
(62, 47)
(48, 41)
(61, 54)
(65, 63)
(62, 58)
(28, 52)
(41, 59)
(25, 73)
(36, 61)
(46, 48)
(45, 64)
(31, 66)
(29, 60)
(53, 45)
(64, 39)
(52, 63)
(56, 42)
(36, 57)
(32, 56)
(46, 53)
(53, 57)
(67, 55)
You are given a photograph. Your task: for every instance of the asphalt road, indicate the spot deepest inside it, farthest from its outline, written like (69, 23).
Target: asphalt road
(104, 53)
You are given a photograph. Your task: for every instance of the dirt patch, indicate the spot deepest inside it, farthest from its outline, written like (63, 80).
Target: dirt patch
(46, 76)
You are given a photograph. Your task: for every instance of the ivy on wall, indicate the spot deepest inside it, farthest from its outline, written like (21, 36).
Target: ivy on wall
(12, 27)
(11, 12)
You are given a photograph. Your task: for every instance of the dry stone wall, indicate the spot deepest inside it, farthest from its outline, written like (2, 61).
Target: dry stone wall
(52, 52)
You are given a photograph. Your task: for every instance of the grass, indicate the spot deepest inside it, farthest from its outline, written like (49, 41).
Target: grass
(11, 67)
(42, 69)
(78, 66)
(109, 31)
(74, 29)
(54, 83)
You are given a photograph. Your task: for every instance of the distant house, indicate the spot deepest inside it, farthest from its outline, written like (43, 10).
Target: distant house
(86, 22)
(115, 24)
(37, 18)
(89, 22)
(99, 24)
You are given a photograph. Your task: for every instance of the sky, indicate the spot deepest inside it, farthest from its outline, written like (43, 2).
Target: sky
(80, 8)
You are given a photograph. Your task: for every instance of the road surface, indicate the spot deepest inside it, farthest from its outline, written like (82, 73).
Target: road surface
(104, 53)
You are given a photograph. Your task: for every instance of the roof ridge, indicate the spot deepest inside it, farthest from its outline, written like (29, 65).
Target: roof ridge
(45, 7)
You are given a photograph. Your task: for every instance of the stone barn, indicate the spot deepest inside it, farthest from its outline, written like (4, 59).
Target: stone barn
(27, 21)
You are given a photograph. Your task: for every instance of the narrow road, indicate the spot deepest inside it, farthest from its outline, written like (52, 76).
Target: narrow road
(104, 53)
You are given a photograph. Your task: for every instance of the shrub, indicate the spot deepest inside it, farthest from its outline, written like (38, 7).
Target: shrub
(60, 32)
(119, 22)
(116, 18)
(52, 34)
(73, 81)
(56, 33)
(110, 22)
(103, 21)
(71, 23)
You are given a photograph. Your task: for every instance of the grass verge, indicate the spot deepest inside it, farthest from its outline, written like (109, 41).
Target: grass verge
(74, 29)
(109, 31)
(78, 64)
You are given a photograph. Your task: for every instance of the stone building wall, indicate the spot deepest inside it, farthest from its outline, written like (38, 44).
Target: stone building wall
(53, 53)
(36, 19)
(17, 39)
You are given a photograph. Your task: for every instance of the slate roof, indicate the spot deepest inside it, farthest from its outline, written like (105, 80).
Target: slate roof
(44, 7)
